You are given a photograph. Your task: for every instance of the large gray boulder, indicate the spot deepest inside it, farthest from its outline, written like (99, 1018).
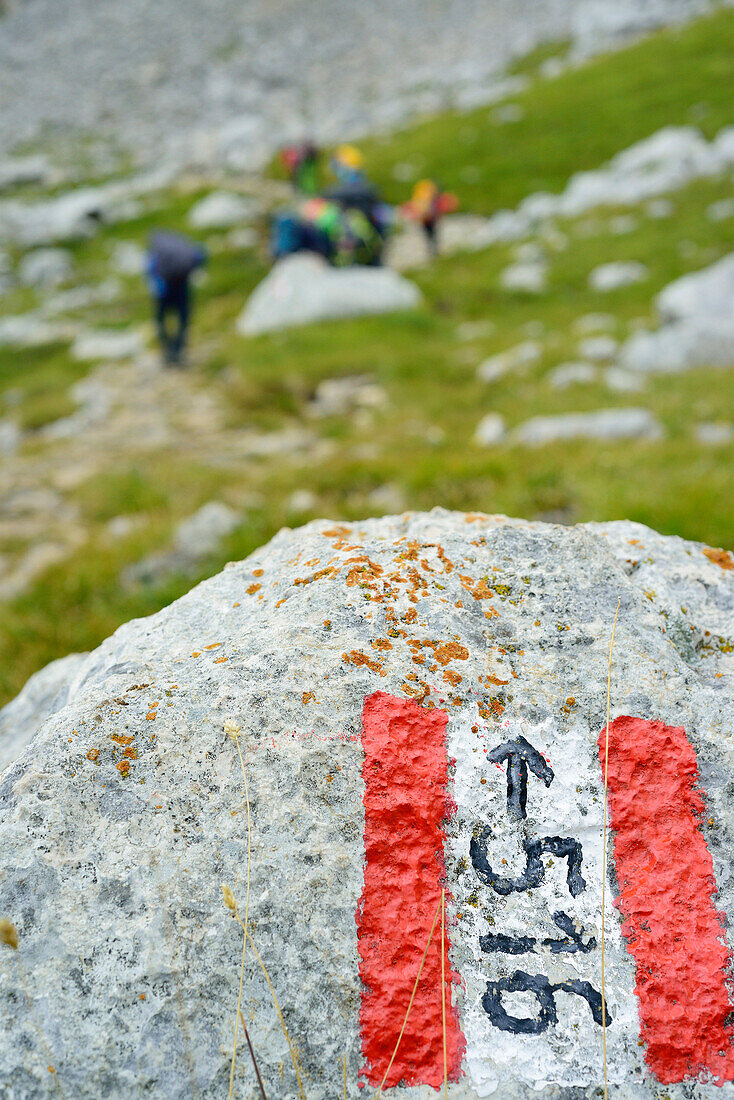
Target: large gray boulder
(334, 659)
(43, 695)
(304, 288)
(697, 330)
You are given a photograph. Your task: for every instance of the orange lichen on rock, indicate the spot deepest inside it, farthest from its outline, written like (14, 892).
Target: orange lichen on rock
(452, 678)
(317, 576)
(123, 767)
(213, 645)
(448, 651)
(356, 657)
(381, 643)
(719, 557)
(307, 697)
(252, 589)
(120, 739)
(258, 572)
(93, 755)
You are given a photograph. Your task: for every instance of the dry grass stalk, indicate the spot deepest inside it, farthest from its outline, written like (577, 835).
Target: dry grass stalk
(254, 1060)
(232, 729)
(604, 851)
(443, 994)
(412, 996)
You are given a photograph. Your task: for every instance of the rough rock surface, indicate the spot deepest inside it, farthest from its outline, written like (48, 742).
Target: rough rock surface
(601, 424)
(220, 210)
(698, 324)
(304, 288)
(45, 267)
(126, 813)
(612, 276)
(43, 695)
(194, 540)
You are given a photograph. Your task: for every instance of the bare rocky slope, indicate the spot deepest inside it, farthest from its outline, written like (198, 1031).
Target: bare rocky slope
(221, 80)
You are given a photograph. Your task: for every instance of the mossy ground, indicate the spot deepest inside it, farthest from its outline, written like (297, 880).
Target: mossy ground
(421, 441)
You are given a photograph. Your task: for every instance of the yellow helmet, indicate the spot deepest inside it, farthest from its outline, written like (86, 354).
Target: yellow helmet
(350, 157)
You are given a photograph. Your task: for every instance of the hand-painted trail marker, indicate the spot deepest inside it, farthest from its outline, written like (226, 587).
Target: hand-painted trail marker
(520, 755)
(666, 883)
(405, 775)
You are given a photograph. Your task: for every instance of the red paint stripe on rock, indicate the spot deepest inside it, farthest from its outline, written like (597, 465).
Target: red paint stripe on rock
(406, 781)
(666, 882)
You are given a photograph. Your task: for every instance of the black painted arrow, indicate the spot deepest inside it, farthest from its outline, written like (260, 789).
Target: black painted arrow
(520, 755)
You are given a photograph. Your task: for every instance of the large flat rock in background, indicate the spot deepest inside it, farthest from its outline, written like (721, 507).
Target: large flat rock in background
(387, 676)
(303, 288)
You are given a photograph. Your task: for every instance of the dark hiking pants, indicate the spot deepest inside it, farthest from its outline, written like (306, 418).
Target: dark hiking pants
(176, 301)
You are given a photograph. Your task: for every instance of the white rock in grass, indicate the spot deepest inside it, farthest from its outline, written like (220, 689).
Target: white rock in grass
(705, 293)
(31, 330)
(303, 288)
(715, 433)
(530, 276)
(594, 322)
(490, 430)
(108, 344)
(698, 328)
(125, 815)
(220, 210)
(128, 258)
(612, 276)
(659, 208)
(529, 351)
(302, 500)
(602, 425)
(10, 436)
(387, 498)
(569, 374)
(598, 348)
(623, 381)
(720, 211)
(45, 267)
(338, 396)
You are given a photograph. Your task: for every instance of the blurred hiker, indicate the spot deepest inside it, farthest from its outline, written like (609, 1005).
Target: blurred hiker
(342, 235)
(301, 162)
(170, 262)
(347, 164)
(427, 206)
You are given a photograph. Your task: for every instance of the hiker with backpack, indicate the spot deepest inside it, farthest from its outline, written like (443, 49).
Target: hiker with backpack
(301, 163)
(427, 205)
(170, 262)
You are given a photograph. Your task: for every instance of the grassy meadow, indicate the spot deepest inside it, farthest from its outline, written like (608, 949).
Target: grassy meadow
(420, 443)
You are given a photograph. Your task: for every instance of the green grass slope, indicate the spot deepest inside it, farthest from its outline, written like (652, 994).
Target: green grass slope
(420, 443)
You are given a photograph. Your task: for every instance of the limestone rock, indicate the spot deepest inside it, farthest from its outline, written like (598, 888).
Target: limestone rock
(598, 348)
(603, 424)
(338, 396)
(20, 171)
(194, 540)
(698, 328)
(108, 344)
(44, 694)
(127, 813)
(570, 374)
(714, 433)
(45, 267)
(612, 276)
(494, 367)
(221, 210)
(490, 430)
(530, 275)
(30, 330)
(303, 288)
